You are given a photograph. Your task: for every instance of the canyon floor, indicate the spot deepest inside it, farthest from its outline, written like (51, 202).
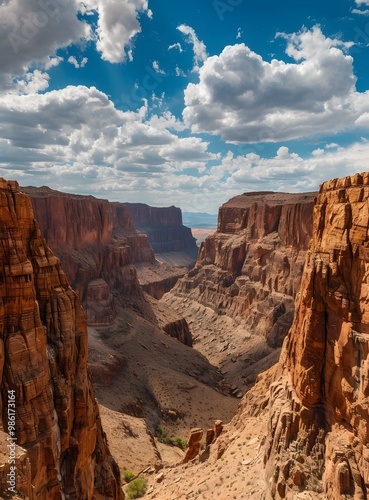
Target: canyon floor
(158, 382)
(145, 379)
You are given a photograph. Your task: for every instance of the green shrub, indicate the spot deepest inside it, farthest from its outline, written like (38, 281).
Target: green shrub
(165, 439)
(181, 443)
(136, 488)
(128, 475)
(159, 431)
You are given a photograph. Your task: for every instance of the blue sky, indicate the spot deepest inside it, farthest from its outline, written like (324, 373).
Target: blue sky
(183, 103)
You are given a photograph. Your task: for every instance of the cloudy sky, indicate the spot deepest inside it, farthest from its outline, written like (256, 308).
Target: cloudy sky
(185, 103)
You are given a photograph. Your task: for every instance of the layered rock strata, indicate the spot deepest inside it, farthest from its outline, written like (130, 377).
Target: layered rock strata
(319, 422)
(98, 246)
(239, 297)
(43, 369)
(164, 228)
(251, 267)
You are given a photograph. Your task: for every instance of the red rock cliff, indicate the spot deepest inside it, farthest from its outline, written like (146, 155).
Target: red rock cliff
(43, 362)
(164, 228)
(98, 246)
(251, 267)
(319, 422)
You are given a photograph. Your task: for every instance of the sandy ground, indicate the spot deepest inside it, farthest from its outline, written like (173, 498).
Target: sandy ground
(226, 343)
(144, 379)
(237, 474)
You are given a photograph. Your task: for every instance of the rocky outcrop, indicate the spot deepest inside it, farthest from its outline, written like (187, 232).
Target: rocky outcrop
(44, 378)
(318, 426)
(194, 443)
(179, 330)
(158, 288)
(251, 267)
(158, 278)
(164, 228)
(98, 246)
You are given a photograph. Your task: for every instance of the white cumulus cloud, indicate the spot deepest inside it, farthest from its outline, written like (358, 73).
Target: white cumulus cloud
(81, 64)
(244, 98)
(32, 30)
(117, 26)
(176, 46)
(156, 67)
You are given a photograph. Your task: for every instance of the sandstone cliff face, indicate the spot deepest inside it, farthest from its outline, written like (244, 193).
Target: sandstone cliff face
(319, 422)
(98, 247)
(43, 361)
(164, 228)
(251, 267)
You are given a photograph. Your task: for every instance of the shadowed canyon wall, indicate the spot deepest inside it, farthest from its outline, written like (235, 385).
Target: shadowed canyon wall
(319, 425)
(99, 246)
(164, 228)
(62, 450)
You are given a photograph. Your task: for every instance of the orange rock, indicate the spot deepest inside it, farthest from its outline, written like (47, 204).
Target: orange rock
(251, 267)
(97, 244)
(319, 407)
(193, 444)
(43, 359)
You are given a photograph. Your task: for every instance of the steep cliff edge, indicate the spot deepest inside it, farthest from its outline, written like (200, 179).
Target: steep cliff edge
(164, 228)
(318, 426)
(45, 385)
(100, 250)
(245, 280)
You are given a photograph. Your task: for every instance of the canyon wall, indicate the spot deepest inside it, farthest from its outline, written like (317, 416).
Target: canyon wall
(164, 228)
(250, 268)
(319, 427)
(62, 450)
(98, 246)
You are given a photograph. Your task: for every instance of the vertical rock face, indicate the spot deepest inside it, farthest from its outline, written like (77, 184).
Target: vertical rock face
(98, 246)
(43, 362)
(251, 267)
(164, 228)
(319, 421)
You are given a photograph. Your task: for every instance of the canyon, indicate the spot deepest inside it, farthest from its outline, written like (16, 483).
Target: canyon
(239, 296)
(301, 432)
(144, 370)
(102, 252)
(260, 348)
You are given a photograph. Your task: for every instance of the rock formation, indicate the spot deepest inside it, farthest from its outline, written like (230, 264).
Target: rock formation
(248, 270)
(97, 245)
(164, 228)
(319, 422)
(99, 248)
(44, 377)
(193, 444)
(252, 265)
